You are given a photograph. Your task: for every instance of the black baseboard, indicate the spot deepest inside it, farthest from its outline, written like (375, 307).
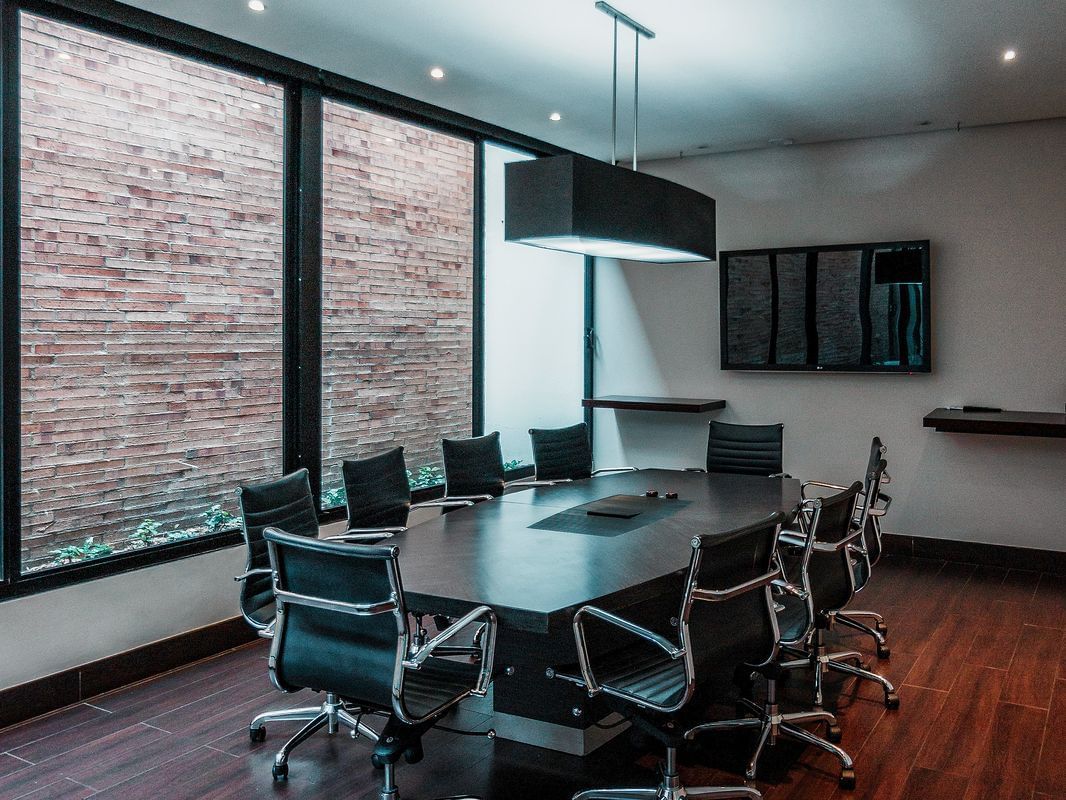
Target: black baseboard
(73, 685)
(990, 555)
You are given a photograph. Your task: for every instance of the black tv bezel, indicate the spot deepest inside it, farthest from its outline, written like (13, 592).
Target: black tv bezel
(927, 350)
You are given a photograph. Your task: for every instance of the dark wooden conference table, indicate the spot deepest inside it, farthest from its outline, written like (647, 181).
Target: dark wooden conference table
(535, 578)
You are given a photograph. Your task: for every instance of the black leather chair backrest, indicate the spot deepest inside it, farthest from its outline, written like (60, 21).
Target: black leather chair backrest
(872, 542)
(830, 573)
(744, 449)
(562, 453)
(324, 648)
(473, 466)
(378, 491)
(285, 503)
(742, 629)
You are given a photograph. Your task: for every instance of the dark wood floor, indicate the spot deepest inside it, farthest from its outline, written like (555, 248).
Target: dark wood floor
(978, 654)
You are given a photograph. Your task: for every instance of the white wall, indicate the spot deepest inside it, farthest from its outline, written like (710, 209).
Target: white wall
(993, 203)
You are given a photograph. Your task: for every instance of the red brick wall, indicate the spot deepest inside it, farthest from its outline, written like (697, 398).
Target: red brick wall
(398, 237)
(151, 287)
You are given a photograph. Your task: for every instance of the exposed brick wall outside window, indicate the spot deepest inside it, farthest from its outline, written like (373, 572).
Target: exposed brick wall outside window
(397, 284)
(151, 287)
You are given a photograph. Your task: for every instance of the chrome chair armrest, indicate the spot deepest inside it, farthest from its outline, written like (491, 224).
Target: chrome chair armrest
(820, 485)
(452, 503)
(791, 588)
(718, 595)
(522, 483)
(252, 572)
(473, 498)
(879, 511)
(584, 662)
(792, 538)
(614, 469)
(780, 475)
(488, 645)
(365, 534)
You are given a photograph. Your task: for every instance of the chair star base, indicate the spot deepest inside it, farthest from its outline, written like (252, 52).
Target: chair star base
(331, 715)
(821, 661)
(772, 725)
(669, 788)
(879, 633)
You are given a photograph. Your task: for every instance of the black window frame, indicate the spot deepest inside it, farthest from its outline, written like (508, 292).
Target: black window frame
(305, 87)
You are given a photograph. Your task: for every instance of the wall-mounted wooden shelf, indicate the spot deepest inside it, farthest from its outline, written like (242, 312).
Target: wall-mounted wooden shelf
(684, 405)
(1003, 423)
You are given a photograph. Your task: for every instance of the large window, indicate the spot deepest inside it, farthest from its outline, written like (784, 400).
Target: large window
(191, 228)
(397, 291)
(151, 278)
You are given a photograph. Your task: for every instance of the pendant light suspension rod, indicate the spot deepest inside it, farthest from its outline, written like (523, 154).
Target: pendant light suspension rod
(638, 31)
(636, 85)
(614, 99)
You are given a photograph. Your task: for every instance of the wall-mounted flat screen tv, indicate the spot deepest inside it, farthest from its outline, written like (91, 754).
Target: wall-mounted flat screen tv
(836, 308)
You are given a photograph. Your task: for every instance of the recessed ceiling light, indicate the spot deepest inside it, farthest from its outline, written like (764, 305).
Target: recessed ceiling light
(555, 116)
(436, 73)
(1009, 55)
(257, 5)
(63, 56)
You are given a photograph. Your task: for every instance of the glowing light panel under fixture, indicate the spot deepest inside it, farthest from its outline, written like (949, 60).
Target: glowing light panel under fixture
(581, 205)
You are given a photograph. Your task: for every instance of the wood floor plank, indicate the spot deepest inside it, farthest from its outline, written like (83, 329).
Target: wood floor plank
(1032, 673)
(998, 635)
(883, 763)
(949, 643)
(1052, 770)
(1048, 607)
(63, 789)
(1008, 768)
(958, 736)
(48, 725)
(927, 783)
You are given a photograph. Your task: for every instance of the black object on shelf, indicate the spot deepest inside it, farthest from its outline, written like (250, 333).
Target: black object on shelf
(636, 403)
(1003, 423)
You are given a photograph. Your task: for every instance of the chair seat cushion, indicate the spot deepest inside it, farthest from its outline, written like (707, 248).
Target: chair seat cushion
(645, 672)
(436, 683)
(791, 617)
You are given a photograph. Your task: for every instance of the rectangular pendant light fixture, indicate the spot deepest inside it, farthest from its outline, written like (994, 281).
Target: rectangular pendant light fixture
(581, 205)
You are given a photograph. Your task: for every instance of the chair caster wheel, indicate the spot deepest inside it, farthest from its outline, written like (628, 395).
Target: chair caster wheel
(257, 734)
(891, 700)
(834, 734)
(280, 772)
(847, 779)
(884, 652)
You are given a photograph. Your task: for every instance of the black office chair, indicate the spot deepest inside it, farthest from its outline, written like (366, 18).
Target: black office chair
(726, 618)
(795, 622)
(286, 502)
(378, 493)
(870, 551)
(832, 585)
(564, 454)
(343, 626)
(473, 468)
(745, 449)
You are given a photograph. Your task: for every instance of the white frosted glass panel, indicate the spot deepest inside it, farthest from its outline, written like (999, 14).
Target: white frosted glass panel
(534, 326)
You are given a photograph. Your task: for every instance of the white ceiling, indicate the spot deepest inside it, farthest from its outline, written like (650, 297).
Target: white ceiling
(721, 74)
